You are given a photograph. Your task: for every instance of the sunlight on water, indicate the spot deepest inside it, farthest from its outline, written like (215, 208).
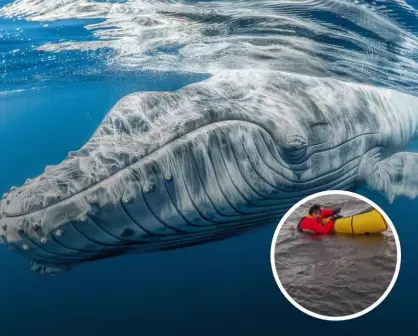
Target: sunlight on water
(365, 41)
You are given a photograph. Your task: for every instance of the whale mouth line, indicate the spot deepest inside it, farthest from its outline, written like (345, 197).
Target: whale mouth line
(180, 139)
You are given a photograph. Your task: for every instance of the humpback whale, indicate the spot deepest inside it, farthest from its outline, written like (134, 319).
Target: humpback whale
(211, 160)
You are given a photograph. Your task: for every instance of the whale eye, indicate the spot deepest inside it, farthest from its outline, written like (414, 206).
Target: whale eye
(296, 142)
(295, 148)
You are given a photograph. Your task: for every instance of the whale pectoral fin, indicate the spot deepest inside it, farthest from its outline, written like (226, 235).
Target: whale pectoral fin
(42, 269)
(395, 176)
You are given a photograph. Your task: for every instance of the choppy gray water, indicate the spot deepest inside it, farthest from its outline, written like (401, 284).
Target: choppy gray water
(334, 275)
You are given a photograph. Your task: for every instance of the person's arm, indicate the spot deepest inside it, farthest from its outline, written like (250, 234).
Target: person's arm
(312, 225)
(326, 213)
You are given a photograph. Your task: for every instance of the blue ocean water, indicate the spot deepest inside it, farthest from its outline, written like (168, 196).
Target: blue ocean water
(52, 101)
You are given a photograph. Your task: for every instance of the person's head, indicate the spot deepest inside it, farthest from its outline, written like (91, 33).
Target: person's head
(315, 211)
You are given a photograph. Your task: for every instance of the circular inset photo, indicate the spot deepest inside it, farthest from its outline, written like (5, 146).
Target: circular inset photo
(335, 255)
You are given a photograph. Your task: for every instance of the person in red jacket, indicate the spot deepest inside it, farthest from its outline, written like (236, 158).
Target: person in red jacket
(314, 222)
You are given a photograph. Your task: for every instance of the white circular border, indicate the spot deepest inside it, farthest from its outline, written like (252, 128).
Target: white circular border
(335, 318)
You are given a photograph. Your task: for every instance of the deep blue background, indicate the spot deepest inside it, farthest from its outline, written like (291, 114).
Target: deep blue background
(224, 288)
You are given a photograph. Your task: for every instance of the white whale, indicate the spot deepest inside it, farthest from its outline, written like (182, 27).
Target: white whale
(213, 159)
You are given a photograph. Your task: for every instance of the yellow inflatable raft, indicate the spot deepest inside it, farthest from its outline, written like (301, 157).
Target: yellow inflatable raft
(370, 222)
